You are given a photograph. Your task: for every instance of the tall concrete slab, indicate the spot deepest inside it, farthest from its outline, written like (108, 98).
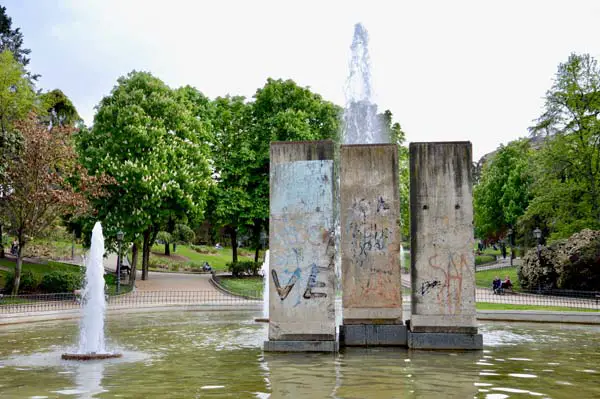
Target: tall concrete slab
(370, 238)
(370, 246)
(302, 251)
(442, 259)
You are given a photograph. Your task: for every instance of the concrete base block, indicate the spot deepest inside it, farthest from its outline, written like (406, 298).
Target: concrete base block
(301, 346)
(445, 341)
(373, 335)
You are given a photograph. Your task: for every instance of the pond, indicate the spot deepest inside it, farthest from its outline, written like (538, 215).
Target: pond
(219, 355)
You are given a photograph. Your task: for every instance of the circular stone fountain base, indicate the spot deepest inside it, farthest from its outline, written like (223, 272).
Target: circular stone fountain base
(89, 356)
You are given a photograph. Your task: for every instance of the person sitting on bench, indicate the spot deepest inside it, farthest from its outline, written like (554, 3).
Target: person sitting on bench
(497, 285)
(507, 284)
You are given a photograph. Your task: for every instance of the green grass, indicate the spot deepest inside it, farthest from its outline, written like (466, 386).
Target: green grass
(3, 278)
(217, 259)
(251, 286)
(483, 259)
(508, 306)
(484, 278)
(39, 269)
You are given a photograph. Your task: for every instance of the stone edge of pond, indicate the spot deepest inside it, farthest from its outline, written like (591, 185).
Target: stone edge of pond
(76, 314)
(592, 318)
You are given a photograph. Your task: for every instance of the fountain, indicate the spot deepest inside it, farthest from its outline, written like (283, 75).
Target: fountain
(361, 124)
(91, 329)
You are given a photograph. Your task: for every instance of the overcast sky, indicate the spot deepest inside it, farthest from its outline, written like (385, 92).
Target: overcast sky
(448, 70)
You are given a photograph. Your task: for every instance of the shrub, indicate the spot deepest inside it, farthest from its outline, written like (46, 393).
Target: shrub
(110, 279)
(61, 281)
(183, 234)
(483, 259)
(572, 264)
(29, 281)
(249, 268)
(203, 249)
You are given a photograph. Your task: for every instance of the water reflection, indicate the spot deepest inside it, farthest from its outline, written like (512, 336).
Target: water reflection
(88, 380)
(371, 373)
(296, 375)
(219, 354)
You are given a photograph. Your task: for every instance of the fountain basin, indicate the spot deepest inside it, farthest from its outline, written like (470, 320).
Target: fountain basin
(89, 356)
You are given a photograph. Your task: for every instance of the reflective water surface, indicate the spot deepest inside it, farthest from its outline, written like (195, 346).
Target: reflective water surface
(218, 354)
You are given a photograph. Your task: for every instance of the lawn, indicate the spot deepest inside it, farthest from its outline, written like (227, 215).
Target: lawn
(216, 258)
(483, 259)
(507, 306)
(484, 278)
(39, 269)
(249, 286)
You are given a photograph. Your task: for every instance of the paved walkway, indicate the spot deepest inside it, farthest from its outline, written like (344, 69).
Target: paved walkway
(174, 282)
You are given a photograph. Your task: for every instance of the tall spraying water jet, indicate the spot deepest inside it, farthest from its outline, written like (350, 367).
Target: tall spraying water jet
(361, 124)
(91, 327)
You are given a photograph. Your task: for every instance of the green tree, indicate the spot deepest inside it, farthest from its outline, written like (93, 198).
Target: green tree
(46, 182)
(12, 40)
(232, 205)
(504, 191)
(567, 185)
(59, 108)
(16, 101)
(148, 140)
(394, 131)
(283, 111)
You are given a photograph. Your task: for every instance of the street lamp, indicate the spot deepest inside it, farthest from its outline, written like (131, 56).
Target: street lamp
(119, 260)
(510, 242)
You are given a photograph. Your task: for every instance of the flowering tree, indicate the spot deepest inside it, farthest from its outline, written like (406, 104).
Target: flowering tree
(44, 182)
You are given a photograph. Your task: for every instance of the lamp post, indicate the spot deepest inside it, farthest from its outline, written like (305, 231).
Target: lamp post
(119, 240)
(510, 242)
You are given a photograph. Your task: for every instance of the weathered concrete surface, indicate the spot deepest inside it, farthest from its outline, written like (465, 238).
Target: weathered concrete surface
(370, 237)
(301, 346)
(373, 335)
(443, 264)
(444, 341)
(302, 252)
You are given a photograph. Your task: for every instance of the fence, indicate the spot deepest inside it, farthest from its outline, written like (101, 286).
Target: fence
(10, 304)
(582, 300)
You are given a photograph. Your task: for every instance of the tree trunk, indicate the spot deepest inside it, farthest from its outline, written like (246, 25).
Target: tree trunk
(234, 257)
(145, 254)
(134, 261)
(167, 249)
(18, 267)
(1, 243)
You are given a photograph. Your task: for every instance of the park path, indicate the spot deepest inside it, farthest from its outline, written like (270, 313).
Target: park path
(175, 282)
(163, 281)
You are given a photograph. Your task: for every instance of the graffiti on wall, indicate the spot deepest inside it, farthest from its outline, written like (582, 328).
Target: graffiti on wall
(366, 234)
(370, 247)
(450, 270)
(302, 247)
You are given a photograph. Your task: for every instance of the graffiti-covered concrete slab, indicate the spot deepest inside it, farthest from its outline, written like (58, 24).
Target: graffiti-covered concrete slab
(302, 252)
(443, 264)
(370, 237)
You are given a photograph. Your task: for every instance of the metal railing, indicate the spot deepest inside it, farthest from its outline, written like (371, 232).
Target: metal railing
(546, 298)
(18, 304)
(14, 304)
